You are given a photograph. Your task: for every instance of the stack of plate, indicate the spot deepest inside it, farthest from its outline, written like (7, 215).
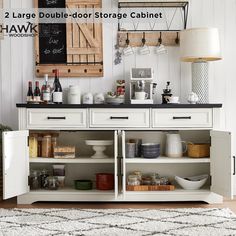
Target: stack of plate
(151, 150)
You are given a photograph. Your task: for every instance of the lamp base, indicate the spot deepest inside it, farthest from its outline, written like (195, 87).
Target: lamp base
(200, 82)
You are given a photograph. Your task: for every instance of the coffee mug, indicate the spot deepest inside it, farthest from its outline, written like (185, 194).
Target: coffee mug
(173, 100)
(127, 51)
(144, 50)
(141, 95)
(161, 49)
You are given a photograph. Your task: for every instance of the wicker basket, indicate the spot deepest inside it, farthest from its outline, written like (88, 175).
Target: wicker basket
(198, 150)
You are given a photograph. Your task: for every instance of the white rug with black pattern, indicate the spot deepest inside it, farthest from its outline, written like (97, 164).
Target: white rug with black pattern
(120, 222)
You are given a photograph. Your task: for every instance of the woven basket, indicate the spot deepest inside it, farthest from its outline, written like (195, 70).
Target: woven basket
(198, 150)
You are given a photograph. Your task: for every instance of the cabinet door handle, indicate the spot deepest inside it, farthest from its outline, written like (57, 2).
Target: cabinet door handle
(119, 117)
(56, 118)
(234, 173)
(182, 117)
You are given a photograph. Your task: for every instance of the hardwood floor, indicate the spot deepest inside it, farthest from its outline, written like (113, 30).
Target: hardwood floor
(231, 204)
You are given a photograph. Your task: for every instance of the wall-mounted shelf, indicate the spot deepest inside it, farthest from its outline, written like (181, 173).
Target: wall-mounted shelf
(166, 30)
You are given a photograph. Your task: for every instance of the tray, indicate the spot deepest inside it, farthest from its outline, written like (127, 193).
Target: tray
(150, 188)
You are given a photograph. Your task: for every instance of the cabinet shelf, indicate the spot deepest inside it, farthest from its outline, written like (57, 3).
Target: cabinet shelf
(166, 160)
(81, 160)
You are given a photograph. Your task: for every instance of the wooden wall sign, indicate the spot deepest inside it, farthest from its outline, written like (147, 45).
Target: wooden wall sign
(74, 48)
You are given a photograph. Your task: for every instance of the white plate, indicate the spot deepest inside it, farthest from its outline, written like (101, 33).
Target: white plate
(99, 142)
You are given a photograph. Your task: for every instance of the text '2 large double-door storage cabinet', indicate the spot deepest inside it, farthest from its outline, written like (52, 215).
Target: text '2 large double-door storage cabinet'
(77, 123)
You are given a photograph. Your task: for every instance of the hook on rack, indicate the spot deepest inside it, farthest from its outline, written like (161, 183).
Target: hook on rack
(127, 40)
(160, 38)
(177, 38)
(143, 39)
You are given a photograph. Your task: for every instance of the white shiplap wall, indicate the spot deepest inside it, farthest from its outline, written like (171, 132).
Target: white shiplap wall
(17, 63)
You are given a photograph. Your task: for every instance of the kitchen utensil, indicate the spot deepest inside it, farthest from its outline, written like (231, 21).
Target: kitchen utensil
(83, 184)
(104, 181)
(99, 146)
(191, 183)
(151, 150)
(174, 146)
(34, 180)
(74, 96)
(198, 150)
(138, 146)
(141, 95)
(173, 100)
(166, 94)
(130, 150)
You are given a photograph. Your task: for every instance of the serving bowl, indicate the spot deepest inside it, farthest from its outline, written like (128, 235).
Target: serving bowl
(191, 183)
(151, 150)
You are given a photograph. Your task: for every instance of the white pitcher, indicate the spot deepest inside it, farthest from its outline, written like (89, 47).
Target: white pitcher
(174, 146)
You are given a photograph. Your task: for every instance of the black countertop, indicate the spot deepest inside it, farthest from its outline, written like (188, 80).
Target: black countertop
(160, 106)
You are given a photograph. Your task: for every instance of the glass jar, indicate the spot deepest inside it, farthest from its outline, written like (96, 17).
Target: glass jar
(43, 176)
(39, 145)
(54, 142)
(47, 146)
(33, 145)
(34, 180)
(52, 183)
(133, 180)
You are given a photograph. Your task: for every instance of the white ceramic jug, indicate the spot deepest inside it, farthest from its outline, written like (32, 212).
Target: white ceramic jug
(174, 146)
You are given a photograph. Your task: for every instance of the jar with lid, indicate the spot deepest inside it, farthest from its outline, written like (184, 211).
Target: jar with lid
(39, 145)
(51, 183)
(54, 142)
(43, 176)
(33, 145)
(47, 146)
(133, 180)
(34, 180)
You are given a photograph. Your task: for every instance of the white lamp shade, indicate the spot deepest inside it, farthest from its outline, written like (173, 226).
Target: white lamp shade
(200, 44)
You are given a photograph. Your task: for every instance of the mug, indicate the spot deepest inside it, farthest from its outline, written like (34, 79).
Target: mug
(130, 150)
(144, 50)
(127, 51)
(173, 100)
(141, 95)
(161, 50)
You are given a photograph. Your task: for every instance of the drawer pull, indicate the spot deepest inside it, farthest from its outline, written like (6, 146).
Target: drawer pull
(56, 118)
(119, 117)
(182, 117)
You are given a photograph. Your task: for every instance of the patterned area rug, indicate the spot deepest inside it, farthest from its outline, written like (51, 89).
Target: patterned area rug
(120, 222)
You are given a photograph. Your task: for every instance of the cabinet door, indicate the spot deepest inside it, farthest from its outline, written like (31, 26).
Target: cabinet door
(123, 162)
(15, 163)
(221, 163)
(116, 162)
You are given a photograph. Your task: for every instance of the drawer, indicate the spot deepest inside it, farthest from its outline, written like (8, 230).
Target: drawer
(120, 118)
(56, 118)
(199, 118)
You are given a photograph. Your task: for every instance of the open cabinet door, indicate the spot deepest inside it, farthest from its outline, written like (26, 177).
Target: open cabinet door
(221, 163)
(15, 163)
(116, 162)
(123, 162)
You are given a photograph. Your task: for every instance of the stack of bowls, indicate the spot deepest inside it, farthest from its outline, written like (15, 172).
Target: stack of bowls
(151, 150)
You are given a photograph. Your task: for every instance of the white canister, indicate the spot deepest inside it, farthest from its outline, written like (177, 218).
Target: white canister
(88, 98)
(74, 95)
(99, 98)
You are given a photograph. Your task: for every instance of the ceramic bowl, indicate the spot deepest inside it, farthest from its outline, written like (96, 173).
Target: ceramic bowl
(83, 184)
(151, 150)
(191, 183)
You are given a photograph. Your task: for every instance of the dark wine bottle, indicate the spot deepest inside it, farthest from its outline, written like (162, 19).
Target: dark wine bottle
(37, 93)
(30, 95)
(57, 89)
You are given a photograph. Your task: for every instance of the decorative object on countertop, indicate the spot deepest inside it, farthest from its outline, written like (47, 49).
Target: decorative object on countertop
(193, 98)
(46, 95)
(200, 45)
(173, 100)
(174, 146)
(99, 146)
(63, 152)
(104, 181)
(141, 85)
(120, 88)
(57, 95)
(99, 98)
(191, 183)
(151, 150)
(114, 98)
(198, 150)
(83, 184)
(88, 98)
(166, 93)
(74, 96)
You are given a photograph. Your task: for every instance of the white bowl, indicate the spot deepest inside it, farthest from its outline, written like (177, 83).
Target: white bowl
(192, 183)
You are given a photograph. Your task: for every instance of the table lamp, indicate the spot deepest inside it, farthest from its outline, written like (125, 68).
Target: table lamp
(199, 46)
